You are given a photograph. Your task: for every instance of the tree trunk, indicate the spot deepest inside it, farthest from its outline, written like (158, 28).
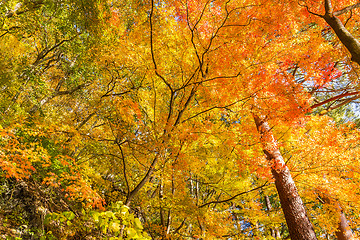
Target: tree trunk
(297, 221)
(343, 232)
(346, 38)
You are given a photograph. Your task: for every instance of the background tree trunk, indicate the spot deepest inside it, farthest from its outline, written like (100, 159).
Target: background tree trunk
(297, 221)
(344, 232)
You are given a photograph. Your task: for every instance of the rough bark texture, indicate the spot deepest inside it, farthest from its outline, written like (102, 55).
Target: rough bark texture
(346, 38)
(297, 221)
(353, 46)
(344, 232)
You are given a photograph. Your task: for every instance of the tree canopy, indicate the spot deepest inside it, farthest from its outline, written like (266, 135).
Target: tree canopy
(179, 119)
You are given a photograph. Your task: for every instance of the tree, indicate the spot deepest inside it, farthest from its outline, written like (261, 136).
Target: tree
(292, 205)
(150, 106)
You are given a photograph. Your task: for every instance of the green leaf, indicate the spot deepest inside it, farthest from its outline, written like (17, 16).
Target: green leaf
(95, 216)
(109, 214)
(124, 209)
(146, 235)
(138, 224)
(62, 219)
(47, 219)
(69, 215)
(104, 230)
(115, 226)
(131, 233)
(117, 205)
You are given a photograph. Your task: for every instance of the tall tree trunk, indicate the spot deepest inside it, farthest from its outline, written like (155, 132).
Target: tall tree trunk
(297, 221)
(346, 38)
(353, 46)
(343, 232)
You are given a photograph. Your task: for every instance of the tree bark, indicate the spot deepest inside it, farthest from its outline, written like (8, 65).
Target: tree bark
(343, 232)
(346, 38)
(162, 212)
(145, 179)
(297, 220)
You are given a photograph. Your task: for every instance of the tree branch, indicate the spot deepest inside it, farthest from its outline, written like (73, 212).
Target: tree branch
(346, 9)
(307, 9)
(46, 51)
(217, 107)
(124, 167)
(143, 181)
(346, 38)
(341, 104)
(235, 196)
(334, 98)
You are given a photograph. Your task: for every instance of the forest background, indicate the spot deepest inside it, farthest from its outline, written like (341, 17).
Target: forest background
(179, 119)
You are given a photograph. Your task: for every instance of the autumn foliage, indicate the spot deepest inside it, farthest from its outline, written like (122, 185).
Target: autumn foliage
(179, 119)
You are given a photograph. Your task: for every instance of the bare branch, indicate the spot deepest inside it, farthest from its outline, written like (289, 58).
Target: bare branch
(47, 51)
(124, 167)
(132, 194)
(346, 9)
(235, 196)
(192, 93)
(308, 9)
(181, 225)
(346, 101)
(154, 61)
(151, 35)
(216, 107)
(334, 98)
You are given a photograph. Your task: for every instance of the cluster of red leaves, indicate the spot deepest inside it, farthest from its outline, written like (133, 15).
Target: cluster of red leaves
(15, 160)
(71, 182)
(20, 160)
